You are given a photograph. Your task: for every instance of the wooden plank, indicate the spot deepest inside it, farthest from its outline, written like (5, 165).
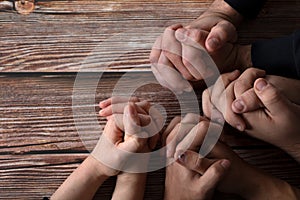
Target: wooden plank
(62, 35)
(40, 175)
(36, 110)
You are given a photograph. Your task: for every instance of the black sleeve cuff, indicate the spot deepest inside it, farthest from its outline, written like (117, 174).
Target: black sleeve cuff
(248, 8)
(279, 56)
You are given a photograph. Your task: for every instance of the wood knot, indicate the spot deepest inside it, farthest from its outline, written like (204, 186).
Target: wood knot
(24, 7)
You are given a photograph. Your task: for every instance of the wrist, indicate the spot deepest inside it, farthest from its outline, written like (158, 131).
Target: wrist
(222, 8)
(98, 169)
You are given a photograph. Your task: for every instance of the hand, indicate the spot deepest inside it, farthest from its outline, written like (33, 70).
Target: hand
(186, 183)
(194, 184)
(217, 99)
(249, 179)
(247, 101)
(115, 146)
(276, 121)
(152, 121)
(212, 31)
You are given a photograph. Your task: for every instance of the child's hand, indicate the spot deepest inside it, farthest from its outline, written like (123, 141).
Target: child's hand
(152, 121)
(116, 147)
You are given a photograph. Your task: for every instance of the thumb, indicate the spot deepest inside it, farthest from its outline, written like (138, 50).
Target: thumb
(221, 33)
(193, 161)
(131, 120)
(271, 97)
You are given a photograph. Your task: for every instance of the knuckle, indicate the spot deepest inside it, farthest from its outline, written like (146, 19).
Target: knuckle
(198, 164)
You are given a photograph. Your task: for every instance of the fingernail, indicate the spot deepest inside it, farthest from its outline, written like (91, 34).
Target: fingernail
(225, 164)
(181, 157)
(188, 89)
(101, 112)
(214, 43)
(181, 35)
(261, 84)
(240, 127)
(239, 105)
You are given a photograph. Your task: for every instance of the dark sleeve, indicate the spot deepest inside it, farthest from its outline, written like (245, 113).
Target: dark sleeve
(279, 56)
(248, 8)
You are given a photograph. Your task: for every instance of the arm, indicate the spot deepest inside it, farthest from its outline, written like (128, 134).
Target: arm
(247, 8)
(131, 186)
(279, 56)
(83, 182)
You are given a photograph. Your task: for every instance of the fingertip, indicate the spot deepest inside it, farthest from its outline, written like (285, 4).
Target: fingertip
(260, 84)
(213, 44)
(225, 164)
(181, 34)
(238, 106)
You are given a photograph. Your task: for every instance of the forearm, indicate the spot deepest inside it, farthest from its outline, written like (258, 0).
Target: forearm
(130, 186)
(264, 186)
(82, 183)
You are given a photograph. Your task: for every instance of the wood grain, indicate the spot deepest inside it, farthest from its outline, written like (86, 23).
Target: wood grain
(40, 175)
(36, 110)
(40, 146)
(112, 35)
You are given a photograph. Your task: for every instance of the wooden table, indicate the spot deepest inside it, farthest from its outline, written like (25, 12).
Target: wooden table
(41, 53)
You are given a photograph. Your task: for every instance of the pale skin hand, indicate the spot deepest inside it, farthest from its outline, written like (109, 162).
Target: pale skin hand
(214, 31)
(89, 176)
(130, 185)
(249, 179)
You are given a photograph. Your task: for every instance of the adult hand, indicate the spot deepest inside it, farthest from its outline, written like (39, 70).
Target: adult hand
(185, 49)
(217, 99)
(199, 181)
(277, 120)
(241, 178)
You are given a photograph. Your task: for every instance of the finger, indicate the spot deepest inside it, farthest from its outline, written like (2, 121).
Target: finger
(271, 97)
(171, 48)
(176, 135)
(214, 174)
(118, 108)
(145, 120)
(169, 128)
(156, 50)
(172, 77)
(246, 80)
(222, 82)
(157, 117)
(221, 33)
(118, 99)
(247, 102)
(194, 56)
(224, 104)
(131, 120)
(193, 161)
(193, 139)
(159, 77)
(209, 110)
(154, 58)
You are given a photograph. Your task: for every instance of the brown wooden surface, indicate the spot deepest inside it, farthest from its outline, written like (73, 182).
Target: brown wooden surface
(59, 35)
(39, 143)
